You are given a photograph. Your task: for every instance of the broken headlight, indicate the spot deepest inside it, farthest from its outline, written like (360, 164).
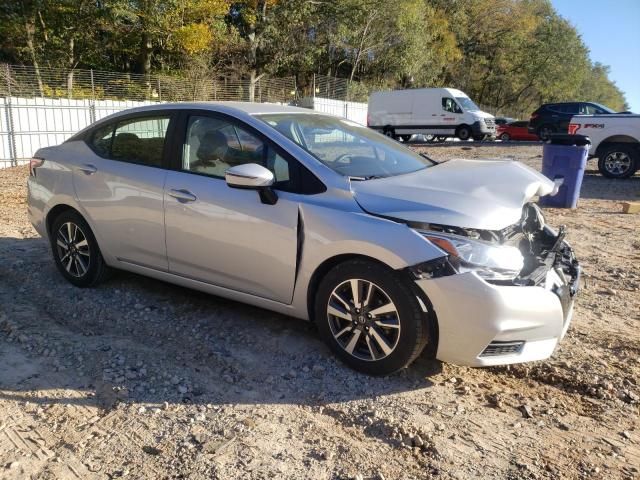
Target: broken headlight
(488, 260)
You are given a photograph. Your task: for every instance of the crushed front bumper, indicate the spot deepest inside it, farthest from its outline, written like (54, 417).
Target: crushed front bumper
(482, 324)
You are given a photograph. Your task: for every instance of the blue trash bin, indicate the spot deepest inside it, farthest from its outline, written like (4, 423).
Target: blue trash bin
(565, 157)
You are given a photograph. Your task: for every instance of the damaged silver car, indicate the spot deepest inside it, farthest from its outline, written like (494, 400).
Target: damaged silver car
(389, 253)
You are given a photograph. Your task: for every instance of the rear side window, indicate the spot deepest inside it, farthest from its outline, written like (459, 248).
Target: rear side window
(137, 140)
(101, 140)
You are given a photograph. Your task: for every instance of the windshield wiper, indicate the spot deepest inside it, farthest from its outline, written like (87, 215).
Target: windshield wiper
(423, 155)
(366, 177)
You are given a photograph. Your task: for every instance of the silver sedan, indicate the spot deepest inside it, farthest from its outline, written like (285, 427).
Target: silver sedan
(317, 217)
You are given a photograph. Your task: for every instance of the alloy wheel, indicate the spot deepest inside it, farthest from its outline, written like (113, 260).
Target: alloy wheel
(617, 163)
(545, 133)
(73, 249)
(363, 319)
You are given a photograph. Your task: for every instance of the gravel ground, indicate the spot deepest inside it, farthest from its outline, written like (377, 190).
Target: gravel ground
(141, 379)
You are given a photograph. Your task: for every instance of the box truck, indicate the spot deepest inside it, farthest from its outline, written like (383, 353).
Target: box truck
(445, 112)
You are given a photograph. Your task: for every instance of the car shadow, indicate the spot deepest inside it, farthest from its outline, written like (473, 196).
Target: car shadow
(135, 339)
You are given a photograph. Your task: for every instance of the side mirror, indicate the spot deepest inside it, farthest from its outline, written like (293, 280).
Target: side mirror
(252, 176)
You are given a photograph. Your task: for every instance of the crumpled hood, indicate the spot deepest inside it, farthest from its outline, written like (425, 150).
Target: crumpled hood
(487, 194)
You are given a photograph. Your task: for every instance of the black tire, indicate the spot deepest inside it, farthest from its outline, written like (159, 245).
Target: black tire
(390, 132)
(86, 267)
(505, 137)
(545, 132)
(441, 139)
(479, 138)
(409, 337)
(463, 132)
(619, 161)
(405, 138)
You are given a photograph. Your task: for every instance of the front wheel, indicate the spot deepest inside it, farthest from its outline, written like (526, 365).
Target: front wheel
(405, 138)
(545, 132)
(505, 137)
(464, 132)
(370, 318)
(619, 161)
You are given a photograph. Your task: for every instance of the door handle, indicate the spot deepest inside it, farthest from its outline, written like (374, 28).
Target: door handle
(88, 169)
(183, 195)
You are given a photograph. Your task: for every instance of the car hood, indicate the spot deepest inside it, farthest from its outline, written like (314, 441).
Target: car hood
(486, 194)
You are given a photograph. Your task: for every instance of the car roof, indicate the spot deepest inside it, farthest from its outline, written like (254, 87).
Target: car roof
(250, 108)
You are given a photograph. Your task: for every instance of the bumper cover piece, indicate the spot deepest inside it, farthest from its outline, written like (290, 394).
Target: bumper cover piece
(473, 315)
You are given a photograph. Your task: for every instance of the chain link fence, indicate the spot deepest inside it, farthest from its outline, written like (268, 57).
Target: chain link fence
(28, 82)
(44, 106)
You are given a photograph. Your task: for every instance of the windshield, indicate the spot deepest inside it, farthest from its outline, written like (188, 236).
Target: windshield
(346, 147)
(467, 104)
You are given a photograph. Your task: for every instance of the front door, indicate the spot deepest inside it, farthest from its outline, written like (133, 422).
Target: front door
(119, 182)
(226, 236)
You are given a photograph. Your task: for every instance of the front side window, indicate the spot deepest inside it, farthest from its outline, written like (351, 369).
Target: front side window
(450, 105)
(346, 147)
(213, 145)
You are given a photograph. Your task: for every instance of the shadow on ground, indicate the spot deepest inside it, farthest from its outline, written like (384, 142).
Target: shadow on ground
(141, 340)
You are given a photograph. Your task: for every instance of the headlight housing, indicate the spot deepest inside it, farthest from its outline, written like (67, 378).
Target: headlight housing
(489, 261)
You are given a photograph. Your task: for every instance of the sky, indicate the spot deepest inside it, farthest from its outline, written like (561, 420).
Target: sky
(611, 30)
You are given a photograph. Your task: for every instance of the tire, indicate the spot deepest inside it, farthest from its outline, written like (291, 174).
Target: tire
(83, 265)
(405, 138)
(390, 132)
(355, 336)
(619, 161)
(441, 139)
(479, 138)
(505, 137)
(545, 132)
(464, 132)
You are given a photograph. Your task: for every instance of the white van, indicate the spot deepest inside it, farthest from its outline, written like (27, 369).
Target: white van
(443, 112)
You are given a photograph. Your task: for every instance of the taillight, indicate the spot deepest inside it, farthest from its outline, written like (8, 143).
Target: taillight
(33, 164)
(573, 128)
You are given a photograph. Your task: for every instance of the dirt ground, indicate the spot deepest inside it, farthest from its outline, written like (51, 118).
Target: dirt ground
(141, 379)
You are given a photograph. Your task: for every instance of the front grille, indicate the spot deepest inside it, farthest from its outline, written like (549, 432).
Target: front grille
(495, 349)
(489, 122)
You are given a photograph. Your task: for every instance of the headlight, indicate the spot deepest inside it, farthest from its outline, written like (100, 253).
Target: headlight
(489, 261)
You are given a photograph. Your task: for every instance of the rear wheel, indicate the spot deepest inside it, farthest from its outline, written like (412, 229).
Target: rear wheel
(618, 161)
(405, 138)
(545, 132)
(390, 132)
(75, 250)
(370, 318)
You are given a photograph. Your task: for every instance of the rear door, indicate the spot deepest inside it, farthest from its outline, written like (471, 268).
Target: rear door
(226, 236)
(567, 111)
(120, 185)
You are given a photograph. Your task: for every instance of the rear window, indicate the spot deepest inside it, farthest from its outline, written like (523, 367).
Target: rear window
(136, 140)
